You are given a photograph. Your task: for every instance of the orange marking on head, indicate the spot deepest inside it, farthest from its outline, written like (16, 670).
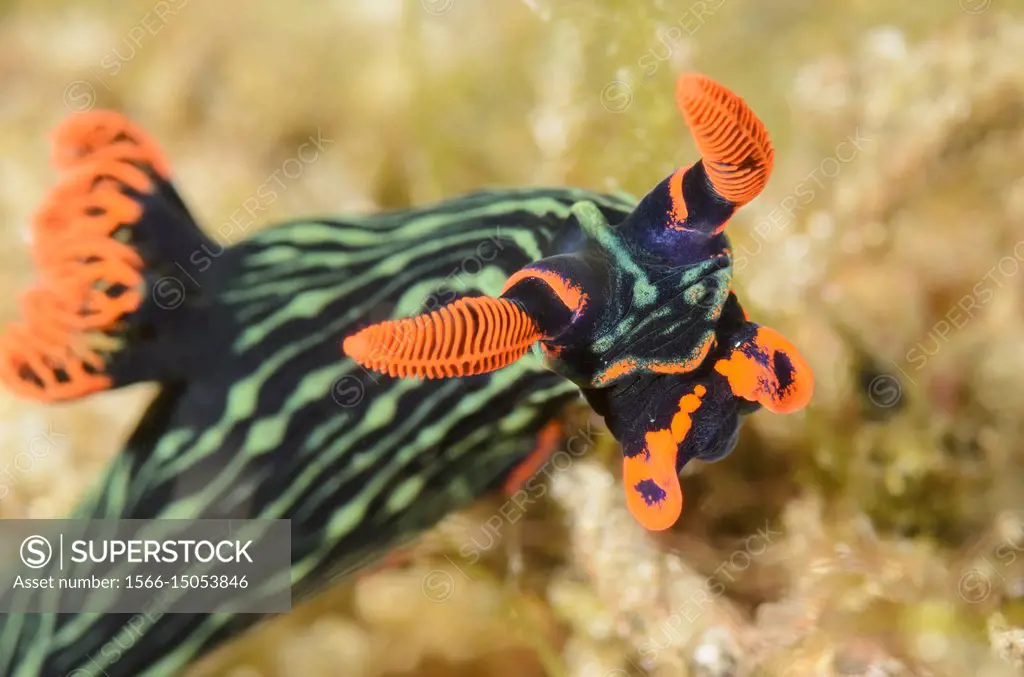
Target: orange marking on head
(685, 366)
(658, 466)
(733, 143)
(675, 191)
(688, 404)
(470, 336)
(630, 365)
(758, 383)
(617, 369)
(547, 440)
(569, 293)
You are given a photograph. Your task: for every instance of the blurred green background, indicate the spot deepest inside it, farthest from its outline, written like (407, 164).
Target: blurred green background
(879, 532)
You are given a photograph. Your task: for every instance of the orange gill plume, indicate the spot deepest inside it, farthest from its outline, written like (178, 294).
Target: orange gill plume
(89, 276)
(732, 141)
(104, 135)
(470, 336)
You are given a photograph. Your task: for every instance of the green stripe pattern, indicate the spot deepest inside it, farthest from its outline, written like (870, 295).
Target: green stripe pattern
(272, 422)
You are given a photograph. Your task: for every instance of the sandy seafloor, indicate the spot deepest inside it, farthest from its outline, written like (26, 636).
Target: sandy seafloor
(875, 533)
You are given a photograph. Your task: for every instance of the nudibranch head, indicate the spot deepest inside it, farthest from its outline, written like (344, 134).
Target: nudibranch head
(640, 314)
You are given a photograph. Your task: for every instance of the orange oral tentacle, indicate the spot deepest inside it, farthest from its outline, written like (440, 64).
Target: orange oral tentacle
(654, 495)
(778, 377)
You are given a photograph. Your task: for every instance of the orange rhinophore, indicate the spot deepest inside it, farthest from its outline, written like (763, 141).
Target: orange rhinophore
(470, 336)
(732, 141)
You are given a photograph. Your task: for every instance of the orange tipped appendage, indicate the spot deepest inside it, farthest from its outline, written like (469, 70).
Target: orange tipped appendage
(770, 370)
(732, 141)
(654, 495)
(470, 336)
(89, 274)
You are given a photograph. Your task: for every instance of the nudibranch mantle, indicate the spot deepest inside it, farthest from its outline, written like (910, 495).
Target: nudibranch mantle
(631, 312)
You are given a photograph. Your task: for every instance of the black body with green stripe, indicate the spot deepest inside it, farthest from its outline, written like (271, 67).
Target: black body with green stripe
(260, 415)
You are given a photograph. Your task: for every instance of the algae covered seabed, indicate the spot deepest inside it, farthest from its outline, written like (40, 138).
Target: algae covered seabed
(879, 532)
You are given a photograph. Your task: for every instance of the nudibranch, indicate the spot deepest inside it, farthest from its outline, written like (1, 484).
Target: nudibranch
(640, 315)
(256, 416)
